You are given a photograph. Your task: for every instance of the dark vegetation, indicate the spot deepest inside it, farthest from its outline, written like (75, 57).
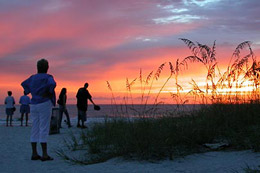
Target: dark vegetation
(228, 114)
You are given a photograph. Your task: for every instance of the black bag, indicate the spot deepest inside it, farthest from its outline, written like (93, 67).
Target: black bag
(96, 107)
(58, 101)
(14, 109)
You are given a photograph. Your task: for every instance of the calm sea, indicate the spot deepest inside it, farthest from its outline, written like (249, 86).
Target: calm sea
(113, 111)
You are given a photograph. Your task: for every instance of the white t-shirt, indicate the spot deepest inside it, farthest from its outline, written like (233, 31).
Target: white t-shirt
(9, 102)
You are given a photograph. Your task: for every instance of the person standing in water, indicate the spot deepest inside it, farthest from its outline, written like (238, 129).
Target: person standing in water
(25, 107)
(9, 107)
(62, 107)
(41, 86)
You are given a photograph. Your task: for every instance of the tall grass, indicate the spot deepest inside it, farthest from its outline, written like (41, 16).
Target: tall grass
(230, 116)
(225, 87)
(146, 84)
(169, 137)
(221, 85)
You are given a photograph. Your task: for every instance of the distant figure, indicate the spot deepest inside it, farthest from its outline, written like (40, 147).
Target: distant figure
(62, 107)
(25, 107)
(82, 104)
(9, 107)
(41, 86)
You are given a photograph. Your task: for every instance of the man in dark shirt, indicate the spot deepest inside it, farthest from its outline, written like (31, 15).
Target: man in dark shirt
(82, 104)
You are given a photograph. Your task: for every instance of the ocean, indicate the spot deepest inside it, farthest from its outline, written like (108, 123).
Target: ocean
(124, 111)
(72, 109)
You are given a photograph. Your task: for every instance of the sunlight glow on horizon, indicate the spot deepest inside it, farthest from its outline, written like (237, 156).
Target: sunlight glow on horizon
(99, 41)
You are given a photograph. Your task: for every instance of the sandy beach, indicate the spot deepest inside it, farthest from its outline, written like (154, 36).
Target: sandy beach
(15, 152)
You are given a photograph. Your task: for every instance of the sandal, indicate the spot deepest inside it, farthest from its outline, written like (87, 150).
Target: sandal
(46, 159)
(37, 157)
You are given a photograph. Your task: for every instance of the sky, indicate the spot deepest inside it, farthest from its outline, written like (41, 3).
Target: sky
(99, 41)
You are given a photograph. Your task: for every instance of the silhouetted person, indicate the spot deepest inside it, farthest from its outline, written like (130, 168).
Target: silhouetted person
(25, 107)
(62, 107)
(9, 107)
(41, 86)
(82, 104)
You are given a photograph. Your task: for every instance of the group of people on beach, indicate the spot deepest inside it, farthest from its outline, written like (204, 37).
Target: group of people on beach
(42, 88)
(25, 101)
(10, 108)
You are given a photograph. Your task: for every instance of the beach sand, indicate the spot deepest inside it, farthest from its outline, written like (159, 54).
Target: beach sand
(15, 155)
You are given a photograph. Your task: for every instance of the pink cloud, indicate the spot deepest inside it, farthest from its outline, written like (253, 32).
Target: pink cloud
(111, 40)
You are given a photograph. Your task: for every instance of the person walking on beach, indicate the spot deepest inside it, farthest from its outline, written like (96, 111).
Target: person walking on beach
(41, 86)
(62, 107)
(9, 107)
(24, 108)
(83, 96)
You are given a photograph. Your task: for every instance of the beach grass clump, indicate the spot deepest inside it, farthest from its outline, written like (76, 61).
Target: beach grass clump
(171, 137)
(237, 123)
(141, 132)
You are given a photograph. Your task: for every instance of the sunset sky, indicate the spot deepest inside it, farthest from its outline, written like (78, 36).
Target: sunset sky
(96, 41)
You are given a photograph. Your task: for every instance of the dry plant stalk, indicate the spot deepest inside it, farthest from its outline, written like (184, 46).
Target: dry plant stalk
(220, 87)
(232, 80)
